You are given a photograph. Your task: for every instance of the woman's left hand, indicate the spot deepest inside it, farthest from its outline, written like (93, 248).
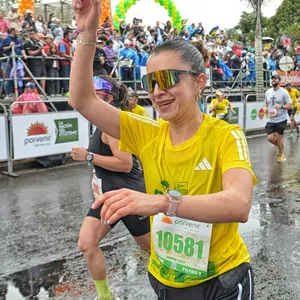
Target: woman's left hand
(124, 202)
(79, 153)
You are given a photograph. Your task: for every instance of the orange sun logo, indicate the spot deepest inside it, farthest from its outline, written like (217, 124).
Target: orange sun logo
(37, 129)
(167, 220)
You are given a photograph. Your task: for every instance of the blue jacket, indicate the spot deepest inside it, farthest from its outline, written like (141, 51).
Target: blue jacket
(18, 45)
(131, 54)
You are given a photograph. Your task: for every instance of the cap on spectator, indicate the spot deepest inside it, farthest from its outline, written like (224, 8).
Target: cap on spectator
(276, 76)
(126, 42)
(28, 11)
(133, 94)
(15, 5)
(219, 93)
(49, 36)
(287, 84)
(30, 85)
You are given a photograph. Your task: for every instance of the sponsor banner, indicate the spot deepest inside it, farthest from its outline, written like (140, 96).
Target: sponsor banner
(238, 117)
(37, 135)
(293, 77)
(3, 139)
(255, 116)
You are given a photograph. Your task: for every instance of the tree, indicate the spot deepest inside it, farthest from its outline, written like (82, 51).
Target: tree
(286, 20)
(256, 5)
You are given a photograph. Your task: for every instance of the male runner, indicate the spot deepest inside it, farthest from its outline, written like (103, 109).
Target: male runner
(277, 102)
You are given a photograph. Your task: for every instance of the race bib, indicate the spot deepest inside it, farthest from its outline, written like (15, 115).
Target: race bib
(97, 186)
(182, 245)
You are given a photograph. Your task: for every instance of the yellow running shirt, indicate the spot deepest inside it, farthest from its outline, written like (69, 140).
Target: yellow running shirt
(194, 167)
(294, 94)
(140, 110)
(221, 107)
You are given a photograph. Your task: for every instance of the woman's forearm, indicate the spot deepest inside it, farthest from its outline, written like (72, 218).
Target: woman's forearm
(111, 163)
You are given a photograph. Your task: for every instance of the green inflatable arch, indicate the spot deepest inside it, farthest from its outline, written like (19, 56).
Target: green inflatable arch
(124, 5)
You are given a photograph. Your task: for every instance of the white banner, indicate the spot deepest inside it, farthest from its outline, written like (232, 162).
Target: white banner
(45, 134)
(150, 111)
(3, 139)
(238, 117)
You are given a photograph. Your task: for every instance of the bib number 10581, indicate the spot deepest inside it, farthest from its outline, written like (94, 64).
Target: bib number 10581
(179, 244)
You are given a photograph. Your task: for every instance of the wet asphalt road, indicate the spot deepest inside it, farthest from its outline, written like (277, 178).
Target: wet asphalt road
(41, 213)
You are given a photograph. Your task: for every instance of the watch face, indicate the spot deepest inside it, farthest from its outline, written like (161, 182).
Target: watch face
(89, 157)
(174, 193)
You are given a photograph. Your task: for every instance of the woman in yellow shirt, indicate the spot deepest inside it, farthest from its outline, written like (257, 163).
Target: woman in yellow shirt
(197, 171)
(218, 106)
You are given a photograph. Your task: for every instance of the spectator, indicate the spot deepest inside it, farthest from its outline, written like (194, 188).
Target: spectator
(65, 65)
(122, 26)
(29, 19)
(25, 27)
(34, 47)
(29, 96)
(191, 29)
(110, 56)
(145, 55)
(49, 41)
(151, 38)
(100, 57)
(12, 40)
(159, 33)
(46, 30)
(129, 58)
(51, 16)
(13, 17)
(118, 44)
(39, 24)
(4, 25)
(244, 39)
(52, 66)
(57, 31)
(168, 27)
(107, 25)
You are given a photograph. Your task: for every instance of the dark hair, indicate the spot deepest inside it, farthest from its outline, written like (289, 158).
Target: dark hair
(66, 32)
(189, 53)
(31, 29)
(103, 38)
(11, 29)
(118, 85)
(109, 42)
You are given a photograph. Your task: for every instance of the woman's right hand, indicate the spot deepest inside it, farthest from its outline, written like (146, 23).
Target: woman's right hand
(88, 14)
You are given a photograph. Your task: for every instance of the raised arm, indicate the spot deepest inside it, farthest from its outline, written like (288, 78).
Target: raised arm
(82, 95)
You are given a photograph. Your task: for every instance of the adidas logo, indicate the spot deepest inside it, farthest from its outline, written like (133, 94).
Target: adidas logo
(204, 165)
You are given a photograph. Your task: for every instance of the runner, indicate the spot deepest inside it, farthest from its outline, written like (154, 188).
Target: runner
(295, 96)
(218, 106)
(197, 171)
(133, 100)
(113, 169)
(277, 102)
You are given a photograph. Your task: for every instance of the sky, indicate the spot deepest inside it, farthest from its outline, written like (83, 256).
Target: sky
(222, 13)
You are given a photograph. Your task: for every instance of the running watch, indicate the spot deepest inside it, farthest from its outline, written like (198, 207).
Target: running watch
(174, 198)
(89, 157)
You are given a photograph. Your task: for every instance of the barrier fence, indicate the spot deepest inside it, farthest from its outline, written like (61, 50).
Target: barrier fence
(36, 135)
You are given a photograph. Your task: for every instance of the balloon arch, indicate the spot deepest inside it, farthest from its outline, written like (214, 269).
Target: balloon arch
(169, 5)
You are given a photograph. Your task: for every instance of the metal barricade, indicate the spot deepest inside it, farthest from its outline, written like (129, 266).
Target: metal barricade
(4, 135)
(43, 134)
(255, 118)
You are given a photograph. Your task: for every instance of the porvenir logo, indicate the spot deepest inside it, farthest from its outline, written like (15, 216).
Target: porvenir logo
(37, 128)
(167, 220)
(37, 133)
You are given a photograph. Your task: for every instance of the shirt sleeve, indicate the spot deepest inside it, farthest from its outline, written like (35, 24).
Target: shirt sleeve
(27, 45)
(235, 152)
(136, 132)
(62, 48)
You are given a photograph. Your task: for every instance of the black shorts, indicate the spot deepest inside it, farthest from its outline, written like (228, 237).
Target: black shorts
(136, 225)
(292, 112)
(234, 284)
(276, 127)
(38, 71)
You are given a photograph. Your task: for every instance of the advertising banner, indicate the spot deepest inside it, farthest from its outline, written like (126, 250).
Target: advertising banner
(255, 116)
(3, 139)
(45, 134)
(293, 77)
(234, 118)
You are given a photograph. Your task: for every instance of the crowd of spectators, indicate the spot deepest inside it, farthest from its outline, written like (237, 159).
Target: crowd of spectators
(47, 47)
